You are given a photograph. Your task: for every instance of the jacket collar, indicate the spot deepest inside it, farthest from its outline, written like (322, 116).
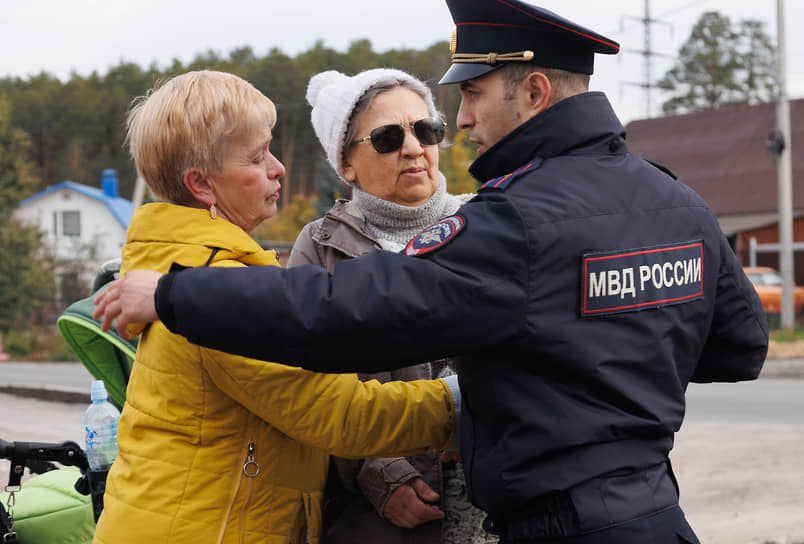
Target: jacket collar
(161, 234)
(344, 228)
(346, 211)
(188, 236)
(576, 121)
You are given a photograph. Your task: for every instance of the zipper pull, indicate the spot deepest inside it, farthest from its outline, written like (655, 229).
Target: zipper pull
(251, 468)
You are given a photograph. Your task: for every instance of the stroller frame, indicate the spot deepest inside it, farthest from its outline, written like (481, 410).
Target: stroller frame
(39, 458)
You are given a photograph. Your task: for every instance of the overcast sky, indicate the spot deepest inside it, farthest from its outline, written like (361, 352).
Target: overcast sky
(91, 35)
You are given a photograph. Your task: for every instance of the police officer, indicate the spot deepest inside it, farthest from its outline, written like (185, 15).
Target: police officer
(583, 289)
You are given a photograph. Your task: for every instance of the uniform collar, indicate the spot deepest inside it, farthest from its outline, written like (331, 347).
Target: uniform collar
(579, 120)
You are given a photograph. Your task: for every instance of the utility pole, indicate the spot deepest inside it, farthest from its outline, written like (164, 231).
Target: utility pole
(785, 178)
(647, 53)
(646, 59)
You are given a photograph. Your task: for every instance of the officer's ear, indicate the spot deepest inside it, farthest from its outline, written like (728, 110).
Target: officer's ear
(539, 90)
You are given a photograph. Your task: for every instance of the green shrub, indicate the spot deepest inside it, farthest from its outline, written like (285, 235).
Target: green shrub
(788, 335)
(37, 343)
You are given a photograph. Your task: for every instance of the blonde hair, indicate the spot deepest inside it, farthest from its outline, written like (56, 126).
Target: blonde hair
(189, 122)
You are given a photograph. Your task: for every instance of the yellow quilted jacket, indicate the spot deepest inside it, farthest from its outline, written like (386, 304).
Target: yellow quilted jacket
(220, 448)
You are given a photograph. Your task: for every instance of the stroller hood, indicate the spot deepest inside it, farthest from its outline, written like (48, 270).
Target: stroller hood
(105, 355)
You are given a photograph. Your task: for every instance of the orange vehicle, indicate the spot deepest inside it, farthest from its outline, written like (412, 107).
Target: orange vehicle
(768, 283)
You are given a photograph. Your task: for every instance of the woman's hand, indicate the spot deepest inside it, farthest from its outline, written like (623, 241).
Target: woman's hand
(130, 299)
(447, 456)
(408, 506)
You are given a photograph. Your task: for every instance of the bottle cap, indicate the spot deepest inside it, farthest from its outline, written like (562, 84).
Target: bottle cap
(98, 391)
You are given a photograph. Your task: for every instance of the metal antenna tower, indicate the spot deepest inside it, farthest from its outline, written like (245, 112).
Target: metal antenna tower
(647, 53)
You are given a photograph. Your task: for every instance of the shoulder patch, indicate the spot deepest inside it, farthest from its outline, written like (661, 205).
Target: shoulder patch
(630, 280)
(503, 181)
(436, 235)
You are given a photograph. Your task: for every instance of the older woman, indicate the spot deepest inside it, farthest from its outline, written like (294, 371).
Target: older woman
(214, 447)
(380, 131)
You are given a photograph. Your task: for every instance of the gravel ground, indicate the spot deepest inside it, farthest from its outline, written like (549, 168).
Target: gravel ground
(786, 350)
(742, 484)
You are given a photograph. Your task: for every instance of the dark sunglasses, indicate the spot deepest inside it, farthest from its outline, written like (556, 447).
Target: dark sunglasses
(388, 138)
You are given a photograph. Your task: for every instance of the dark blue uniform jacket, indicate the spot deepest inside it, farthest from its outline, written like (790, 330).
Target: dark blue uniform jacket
(583, 293)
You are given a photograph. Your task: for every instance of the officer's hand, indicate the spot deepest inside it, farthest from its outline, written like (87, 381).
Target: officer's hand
(130, 299)
(407, 506)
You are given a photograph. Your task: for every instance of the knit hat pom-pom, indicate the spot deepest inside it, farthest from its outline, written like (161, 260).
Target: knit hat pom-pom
(320, 81)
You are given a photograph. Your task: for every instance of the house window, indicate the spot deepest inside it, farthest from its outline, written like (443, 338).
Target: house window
(71, 223)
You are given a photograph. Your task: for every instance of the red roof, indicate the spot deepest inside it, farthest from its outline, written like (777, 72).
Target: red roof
(722, 154)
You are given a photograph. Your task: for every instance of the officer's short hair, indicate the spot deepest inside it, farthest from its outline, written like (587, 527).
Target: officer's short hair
(372, 92)
(564, 83)
(189, 122)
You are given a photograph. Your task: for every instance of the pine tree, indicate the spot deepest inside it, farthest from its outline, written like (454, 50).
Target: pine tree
(721, 63)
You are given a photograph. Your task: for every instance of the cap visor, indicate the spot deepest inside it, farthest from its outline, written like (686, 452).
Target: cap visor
(463, 71)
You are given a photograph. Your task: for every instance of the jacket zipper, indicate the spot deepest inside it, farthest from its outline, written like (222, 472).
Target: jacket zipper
(309, 516)
(250, 469)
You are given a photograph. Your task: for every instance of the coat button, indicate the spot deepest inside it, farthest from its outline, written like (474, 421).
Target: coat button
(615, 145)
(326, 236)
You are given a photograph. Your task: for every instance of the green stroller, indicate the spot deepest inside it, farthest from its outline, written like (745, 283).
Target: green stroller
(105, 355)
(62, 505)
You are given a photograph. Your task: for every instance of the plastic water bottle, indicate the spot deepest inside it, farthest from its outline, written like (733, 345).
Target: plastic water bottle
(100, 429)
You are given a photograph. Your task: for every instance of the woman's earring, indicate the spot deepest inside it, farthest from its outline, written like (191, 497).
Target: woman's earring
(213, 212)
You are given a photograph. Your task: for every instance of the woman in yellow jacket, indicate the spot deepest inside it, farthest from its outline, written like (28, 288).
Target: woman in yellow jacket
(216, 448)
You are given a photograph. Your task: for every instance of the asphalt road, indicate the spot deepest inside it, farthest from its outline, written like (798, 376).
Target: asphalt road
(60, 376)
(768, 400)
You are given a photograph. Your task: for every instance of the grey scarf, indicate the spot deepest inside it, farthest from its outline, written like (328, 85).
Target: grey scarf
(393, 225)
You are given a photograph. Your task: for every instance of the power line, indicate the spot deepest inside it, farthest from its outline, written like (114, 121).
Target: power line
(685, 7)
(624, 28)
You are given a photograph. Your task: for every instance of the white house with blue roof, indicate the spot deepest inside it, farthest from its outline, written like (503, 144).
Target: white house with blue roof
(80, 223)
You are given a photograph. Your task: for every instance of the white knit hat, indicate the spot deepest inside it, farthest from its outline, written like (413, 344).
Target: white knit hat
(333, 96)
